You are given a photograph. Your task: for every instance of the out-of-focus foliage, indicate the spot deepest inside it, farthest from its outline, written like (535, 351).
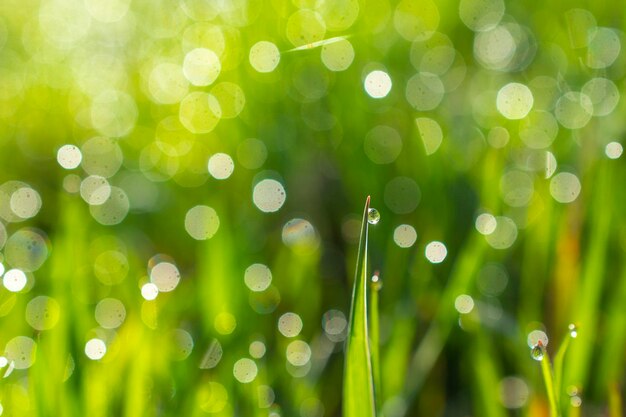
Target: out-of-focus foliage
(180, 186)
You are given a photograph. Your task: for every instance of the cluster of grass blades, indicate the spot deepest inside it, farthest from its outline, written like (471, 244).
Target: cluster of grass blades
(361, 382)
(563, 402)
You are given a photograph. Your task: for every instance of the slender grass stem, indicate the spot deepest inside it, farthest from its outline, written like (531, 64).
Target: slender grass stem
(546, 370)
(376, 286)
(558, 370)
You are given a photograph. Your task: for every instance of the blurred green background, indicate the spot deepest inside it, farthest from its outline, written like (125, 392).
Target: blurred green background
(181, 185)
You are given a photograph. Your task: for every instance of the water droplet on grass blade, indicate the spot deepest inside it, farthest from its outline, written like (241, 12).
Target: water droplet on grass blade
(537, 352)
(573, 330)
(373, 216)
(377, 283)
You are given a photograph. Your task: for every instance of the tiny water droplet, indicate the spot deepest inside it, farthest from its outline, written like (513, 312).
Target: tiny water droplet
(373, 216)
(377, 283)
(573, 330)
(537, 352)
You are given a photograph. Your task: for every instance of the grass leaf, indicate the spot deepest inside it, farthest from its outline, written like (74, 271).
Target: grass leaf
(376, 285)
(558, 370)
(358, 383)
(548, 379)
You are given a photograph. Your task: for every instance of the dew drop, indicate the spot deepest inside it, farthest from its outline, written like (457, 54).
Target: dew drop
(537, 352)
(373, 216)
(377, 283)
(573, 330)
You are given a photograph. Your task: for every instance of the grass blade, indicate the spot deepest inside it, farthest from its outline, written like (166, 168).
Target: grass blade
(558, 367)
(376, 285)
(548, 379)
(358, 383)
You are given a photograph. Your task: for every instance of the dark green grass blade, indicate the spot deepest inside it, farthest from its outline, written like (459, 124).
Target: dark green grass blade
(358, 384)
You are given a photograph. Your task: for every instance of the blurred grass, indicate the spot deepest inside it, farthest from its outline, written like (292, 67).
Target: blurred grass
(565, 266)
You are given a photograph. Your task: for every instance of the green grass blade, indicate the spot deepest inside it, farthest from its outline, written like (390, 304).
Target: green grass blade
(358, 383)
(558, 369)
(548, 379)
(376, 285)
